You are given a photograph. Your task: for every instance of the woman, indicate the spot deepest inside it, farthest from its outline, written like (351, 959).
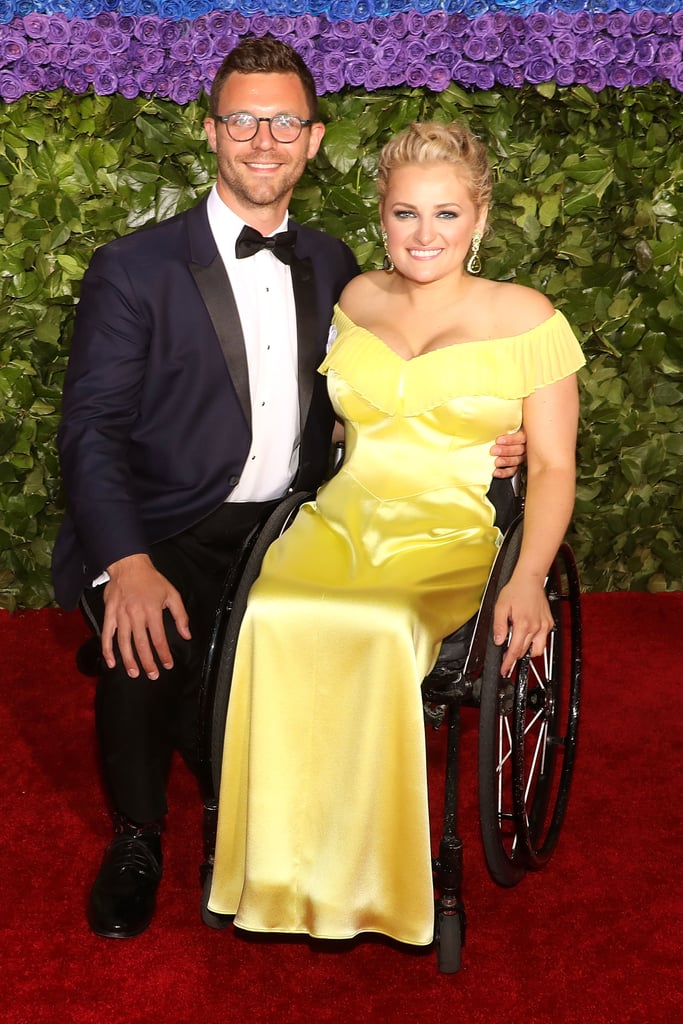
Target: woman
(323, 823)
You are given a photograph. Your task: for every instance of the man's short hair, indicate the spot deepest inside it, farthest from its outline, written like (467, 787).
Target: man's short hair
(267, 55)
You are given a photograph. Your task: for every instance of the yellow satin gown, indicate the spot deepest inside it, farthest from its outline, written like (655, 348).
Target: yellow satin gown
(323, 814)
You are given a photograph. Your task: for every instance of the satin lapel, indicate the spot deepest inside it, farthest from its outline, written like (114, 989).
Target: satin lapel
(309, 354)
(216, 291)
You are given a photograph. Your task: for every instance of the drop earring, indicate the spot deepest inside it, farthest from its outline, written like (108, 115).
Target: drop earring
(473, 264)
(388, 263)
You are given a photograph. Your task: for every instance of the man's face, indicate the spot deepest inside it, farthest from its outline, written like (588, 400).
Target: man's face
(256, 178)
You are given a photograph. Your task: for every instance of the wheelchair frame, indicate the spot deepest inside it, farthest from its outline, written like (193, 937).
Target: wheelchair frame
(528, 726)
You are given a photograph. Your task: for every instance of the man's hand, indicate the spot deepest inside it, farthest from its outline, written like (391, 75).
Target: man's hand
(134, 600)
(510, 450)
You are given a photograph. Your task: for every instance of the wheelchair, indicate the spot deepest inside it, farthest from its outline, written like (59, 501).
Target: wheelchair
(528, 723)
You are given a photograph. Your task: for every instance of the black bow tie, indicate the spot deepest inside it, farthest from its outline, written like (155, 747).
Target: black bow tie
(250, 241)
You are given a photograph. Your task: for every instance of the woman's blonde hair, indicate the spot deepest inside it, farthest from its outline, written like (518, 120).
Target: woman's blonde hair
(428, 142)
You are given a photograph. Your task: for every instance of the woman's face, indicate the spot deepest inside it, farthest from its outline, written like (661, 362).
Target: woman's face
(430, 218)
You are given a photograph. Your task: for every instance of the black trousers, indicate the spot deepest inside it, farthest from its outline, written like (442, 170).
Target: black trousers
(140, 722)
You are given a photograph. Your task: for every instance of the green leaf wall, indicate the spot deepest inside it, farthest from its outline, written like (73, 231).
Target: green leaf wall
(588, 208)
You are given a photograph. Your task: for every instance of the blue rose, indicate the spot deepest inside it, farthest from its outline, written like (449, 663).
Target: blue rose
(88, 8)
(341, 10)
(8, 11)
(571, 6)
(195, 8)
(173, 9)
(363, 10)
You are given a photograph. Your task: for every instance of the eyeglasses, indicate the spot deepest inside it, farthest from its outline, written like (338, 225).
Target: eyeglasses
(242, 126)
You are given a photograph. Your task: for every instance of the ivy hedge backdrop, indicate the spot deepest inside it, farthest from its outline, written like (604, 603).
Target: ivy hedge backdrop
(580, 103)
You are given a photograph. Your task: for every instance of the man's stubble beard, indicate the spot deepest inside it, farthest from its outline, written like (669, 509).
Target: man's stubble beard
(260, 194)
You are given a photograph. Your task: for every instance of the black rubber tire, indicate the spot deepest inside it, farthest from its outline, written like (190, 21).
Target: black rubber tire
(448, 941)
(496, 813)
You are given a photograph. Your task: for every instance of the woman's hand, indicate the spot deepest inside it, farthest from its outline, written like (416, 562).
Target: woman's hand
(522, 612)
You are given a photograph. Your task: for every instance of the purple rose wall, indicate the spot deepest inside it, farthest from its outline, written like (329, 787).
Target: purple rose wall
(172, 48)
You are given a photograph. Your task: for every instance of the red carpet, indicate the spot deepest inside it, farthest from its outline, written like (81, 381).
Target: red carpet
(593, 939)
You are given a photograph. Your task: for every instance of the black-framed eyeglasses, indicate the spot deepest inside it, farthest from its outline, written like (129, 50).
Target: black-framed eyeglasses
(242, 126)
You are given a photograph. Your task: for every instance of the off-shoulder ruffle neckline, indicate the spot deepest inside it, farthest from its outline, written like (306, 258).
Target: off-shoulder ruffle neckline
(508, 368)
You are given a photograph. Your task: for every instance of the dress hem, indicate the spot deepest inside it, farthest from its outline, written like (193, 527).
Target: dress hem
(332, 938)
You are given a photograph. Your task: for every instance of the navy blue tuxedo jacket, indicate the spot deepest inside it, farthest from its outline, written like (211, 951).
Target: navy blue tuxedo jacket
(156, 413)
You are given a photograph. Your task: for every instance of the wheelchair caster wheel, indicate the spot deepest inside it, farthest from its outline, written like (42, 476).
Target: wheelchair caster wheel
(448, 942)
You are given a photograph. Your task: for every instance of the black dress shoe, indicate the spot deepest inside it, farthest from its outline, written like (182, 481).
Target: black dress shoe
(123, 898)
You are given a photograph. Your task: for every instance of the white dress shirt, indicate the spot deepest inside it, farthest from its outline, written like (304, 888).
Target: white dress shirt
(262, 286)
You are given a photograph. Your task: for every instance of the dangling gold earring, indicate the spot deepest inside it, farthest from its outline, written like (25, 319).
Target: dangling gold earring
(388, 263)
(473, 264)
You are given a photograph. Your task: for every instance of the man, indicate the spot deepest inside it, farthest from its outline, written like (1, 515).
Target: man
(191, 405)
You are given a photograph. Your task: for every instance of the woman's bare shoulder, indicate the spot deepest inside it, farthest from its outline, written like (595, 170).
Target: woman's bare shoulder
(519, 309)
(359, 292)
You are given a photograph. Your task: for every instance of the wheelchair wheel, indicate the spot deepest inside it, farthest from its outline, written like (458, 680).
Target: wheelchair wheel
(546, 720)
(528, 732)
(274, 526)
